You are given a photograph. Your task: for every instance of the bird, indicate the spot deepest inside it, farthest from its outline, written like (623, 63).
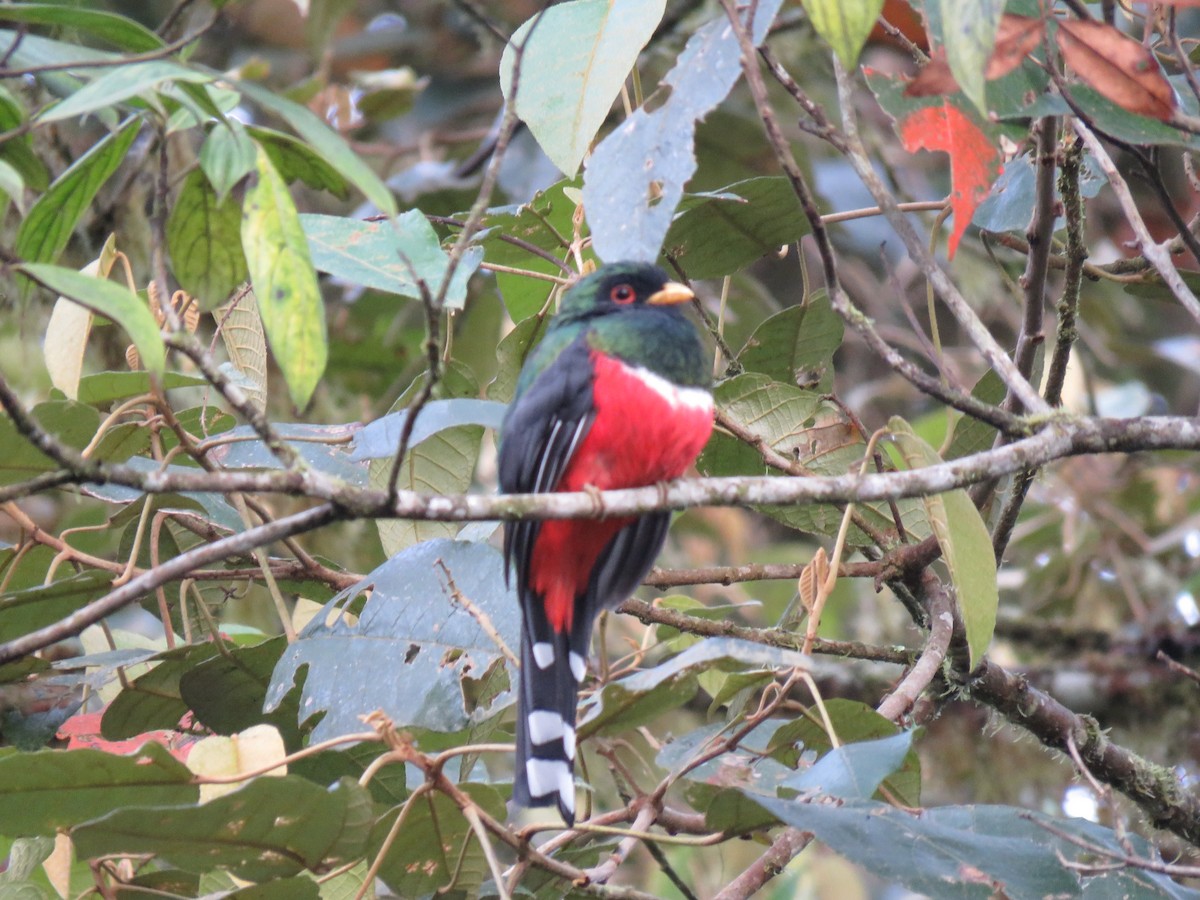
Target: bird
(616, 395)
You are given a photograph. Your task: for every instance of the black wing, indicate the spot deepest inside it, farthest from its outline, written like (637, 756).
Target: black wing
(540, 433)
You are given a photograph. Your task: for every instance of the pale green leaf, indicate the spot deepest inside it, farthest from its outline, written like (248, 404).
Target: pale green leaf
(227, 156)
(844, 24)
(969, 30)
(388, 256)
(12, 185)
(119, 84)
(576, 56)
(285, 283)
(965, 542)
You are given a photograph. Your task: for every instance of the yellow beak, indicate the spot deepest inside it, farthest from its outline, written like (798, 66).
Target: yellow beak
(671, 292)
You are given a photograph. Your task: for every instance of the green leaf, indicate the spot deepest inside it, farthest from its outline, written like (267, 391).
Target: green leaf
(415, 865)
(66, 420)
(443, 450)
(785, 417)
(285, 284)
(18, 151)
(12, 185)
(388, 256)
(854, 771)
(271, 828)
(544, 222)
(634, 178)
(121, 83)
(108, 299)
(412, 628)
(965, 542)
(844, 24)
(510, 356)
(296, 162)
(45, 231)
(796, 345)
(444, 463)
(32, 608)
(565, 88)
(204, 238)
(51, 789)
(963, 851)
(326, 143)
(152, 701)
(975, 435)
(853, 722)
(119, 31)
(227, 156)
(642, 697)
(969, 31)
(102, 388)
(734, 226)
(226, 692)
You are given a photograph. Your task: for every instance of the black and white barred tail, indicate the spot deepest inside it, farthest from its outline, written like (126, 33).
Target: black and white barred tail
(545, 762)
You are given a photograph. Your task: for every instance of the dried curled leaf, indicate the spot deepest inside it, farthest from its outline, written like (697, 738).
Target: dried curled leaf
(1118, 67)
(182, 302)
(812, 577)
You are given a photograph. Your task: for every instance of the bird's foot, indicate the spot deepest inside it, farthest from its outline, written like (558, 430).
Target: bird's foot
(597, 498)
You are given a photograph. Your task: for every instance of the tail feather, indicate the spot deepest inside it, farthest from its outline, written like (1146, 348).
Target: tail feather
(545, 760)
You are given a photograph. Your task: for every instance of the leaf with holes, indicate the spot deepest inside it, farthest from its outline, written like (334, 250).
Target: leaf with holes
(634, 179)
(413, 628)
(271, 828)
(51, 789)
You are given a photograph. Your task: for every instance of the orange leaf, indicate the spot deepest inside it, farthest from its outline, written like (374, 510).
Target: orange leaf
(974, 161)
(1118, 67)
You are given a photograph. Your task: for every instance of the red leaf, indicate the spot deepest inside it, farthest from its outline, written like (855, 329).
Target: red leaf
(974, 161)
(1118, 67)
(83, 731)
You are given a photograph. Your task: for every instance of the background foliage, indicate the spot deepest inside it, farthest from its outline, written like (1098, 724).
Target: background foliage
(271, 269)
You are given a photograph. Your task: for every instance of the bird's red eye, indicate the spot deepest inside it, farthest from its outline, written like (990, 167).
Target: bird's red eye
(622, 293)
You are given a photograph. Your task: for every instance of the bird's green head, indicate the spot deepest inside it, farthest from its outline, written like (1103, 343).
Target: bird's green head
(618, 287)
